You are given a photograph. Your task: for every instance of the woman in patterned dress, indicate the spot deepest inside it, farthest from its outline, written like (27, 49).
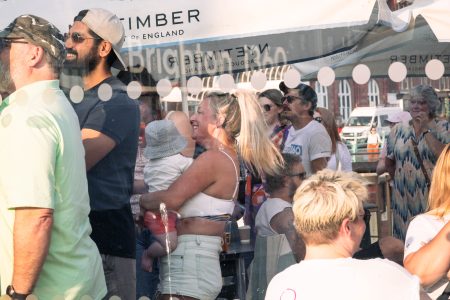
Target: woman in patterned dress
(426, 135)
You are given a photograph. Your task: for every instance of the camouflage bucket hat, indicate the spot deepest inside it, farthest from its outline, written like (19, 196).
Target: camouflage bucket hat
(39, 32)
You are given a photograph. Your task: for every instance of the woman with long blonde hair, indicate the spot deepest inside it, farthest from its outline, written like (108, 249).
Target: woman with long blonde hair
(204, 196)
(427, 245)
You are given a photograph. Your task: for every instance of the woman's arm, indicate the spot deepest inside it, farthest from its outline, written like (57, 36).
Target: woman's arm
(200, 175)
(432, 261)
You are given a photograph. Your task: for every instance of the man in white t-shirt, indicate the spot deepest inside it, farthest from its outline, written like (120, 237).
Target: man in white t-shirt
(278, 245)
(307, 137)
(328, 214)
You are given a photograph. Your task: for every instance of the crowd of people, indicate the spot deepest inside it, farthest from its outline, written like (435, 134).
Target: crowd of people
(116, 198)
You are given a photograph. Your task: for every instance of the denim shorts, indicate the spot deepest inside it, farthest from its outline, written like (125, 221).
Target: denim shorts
(193, 269)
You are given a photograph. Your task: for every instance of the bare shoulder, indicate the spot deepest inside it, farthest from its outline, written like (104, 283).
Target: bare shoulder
(209, 161)
(216, 156)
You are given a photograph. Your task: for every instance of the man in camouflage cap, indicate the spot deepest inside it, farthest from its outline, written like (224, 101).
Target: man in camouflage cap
(38, 32)
(44, 204)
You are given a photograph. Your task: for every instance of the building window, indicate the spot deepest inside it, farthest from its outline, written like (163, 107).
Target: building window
(322, 95)
(373, 93)
(405, 84)
(345, 99)
(444, 83)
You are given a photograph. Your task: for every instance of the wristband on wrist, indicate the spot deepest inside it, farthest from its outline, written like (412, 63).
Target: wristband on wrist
(15, 296)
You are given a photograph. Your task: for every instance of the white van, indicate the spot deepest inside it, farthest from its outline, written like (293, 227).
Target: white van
(357, 127)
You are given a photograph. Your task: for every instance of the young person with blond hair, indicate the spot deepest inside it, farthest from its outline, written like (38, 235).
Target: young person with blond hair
(329, 216)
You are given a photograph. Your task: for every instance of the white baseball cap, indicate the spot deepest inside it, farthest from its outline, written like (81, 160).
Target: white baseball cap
(107, 26)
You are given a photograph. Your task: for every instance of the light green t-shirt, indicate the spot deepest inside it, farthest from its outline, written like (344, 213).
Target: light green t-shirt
(42, 165)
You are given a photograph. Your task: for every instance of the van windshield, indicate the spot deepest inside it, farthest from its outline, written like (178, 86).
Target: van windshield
(359, 121)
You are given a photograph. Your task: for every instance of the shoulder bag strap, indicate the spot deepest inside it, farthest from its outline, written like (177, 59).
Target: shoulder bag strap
(424, 171)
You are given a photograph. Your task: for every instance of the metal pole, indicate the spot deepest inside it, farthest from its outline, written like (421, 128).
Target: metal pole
(183, 82)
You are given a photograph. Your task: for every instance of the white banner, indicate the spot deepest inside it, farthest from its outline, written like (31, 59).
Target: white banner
(218, 36)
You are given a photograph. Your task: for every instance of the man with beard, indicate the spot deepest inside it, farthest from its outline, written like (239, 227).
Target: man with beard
(278, 245)
(307, 137)
(45, 246)
(109, 122)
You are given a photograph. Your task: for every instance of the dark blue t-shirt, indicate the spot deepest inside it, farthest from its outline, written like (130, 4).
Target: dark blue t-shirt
(110, 181)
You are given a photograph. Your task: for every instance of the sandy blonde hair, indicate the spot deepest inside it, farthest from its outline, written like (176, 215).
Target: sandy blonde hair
(324, 200)
(243, 121)
(439, 195)
(329, 122)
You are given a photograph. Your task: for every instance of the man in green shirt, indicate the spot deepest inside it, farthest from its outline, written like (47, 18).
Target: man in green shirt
(44, 204)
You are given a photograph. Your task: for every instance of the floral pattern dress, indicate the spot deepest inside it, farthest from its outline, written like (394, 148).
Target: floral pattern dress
(410, 191)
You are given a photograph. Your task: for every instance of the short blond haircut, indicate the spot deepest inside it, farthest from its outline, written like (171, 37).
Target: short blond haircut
(324, 200)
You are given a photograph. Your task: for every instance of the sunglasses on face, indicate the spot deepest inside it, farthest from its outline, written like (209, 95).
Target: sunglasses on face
(6, 43)
(366, 216)
(77, 38)
(290, 99)
(301, 175)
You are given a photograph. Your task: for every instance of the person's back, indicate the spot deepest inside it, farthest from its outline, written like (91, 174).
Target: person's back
(344, 278)
(159, 174)
(164, 152)
(266, 212)
(329, 216)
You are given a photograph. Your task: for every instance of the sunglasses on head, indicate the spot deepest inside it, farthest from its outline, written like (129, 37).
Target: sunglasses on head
(6, 42)
(290, 98)
(77, 38)
(301, 175)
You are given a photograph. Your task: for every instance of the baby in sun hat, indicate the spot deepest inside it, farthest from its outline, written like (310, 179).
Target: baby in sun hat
(166, 164)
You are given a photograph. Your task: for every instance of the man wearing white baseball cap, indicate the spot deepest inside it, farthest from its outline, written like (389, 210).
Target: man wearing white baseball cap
(109, 122)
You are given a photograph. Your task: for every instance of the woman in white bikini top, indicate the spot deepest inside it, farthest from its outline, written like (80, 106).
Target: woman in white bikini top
(208, 188)
(209, 185)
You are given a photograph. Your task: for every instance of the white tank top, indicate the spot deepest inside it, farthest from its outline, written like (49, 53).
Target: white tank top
(203, 205)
